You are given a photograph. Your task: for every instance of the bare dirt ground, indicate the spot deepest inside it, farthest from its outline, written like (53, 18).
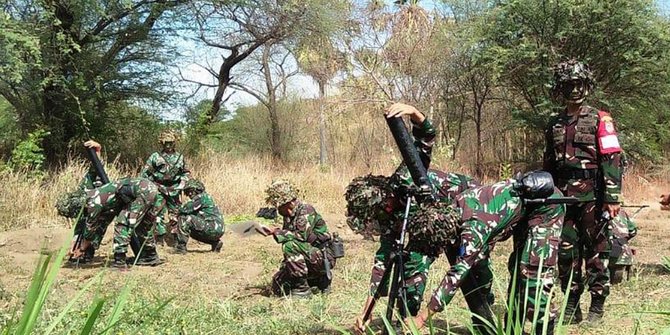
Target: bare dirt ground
(239, 277)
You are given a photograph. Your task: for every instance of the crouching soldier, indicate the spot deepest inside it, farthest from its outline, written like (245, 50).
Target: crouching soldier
(199, 218)
(308, 257)
(141, 209)
(486, 215)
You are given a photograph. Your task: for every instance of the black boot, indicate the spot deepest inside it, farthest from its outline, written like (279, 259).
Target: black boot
(573, 312)
(149, 257)
(597, 309)
(119, 261)
(300, 289)
(217, 246)
(180, 248)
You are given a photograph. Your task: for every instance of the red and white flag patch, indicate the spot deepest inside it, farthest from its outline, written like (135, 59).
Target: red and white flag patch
(607, 138)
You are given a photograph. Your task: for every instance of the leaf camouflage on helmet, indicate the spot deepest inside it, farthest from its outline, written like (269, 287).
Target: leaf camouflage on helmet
(365, 200)
(280, 192)
(70, 204)
(433, 226)
(570, 70)
(196, 185)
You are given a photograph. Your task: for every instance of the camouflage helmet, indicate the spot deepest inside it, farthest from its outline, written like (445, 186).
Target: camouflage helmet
(196, 185)
(433, 226)
(167, 136)
(280, 192)
(571, 70)
(70, 204)
(365, 199)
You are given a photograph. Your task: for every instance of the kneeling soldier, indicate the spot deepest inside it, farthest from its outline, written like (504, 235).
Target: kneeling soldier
(305, 240)
(199, 218)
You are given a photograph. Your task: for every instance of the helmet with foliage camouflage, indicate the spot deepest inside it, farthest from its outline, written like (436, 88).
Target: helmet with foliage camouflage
(168, 135)
(433, 226)
(365, 199)
(402, 183)
(280, 192)
(195, 185)
(70, 204)
(566, 73)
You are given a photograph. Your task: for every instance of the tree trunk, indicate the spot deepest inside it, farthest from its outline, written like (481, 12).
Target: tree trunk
(323, 150)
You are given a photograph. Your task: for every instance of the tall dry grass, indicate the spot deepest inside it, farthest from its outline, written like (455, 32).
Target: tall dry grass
(238, 184)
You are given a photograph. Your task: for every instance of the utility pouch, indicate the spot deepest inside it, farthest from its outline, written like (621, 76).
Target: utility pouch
(337, 246)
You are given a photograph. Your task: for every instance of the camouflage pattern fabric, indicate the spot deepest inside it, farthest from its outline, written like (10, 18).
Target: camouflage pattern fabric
(70, 204)
(365, 198)
(494, 213)
(280, 192)
(433, 226)
(169, 171)
(303, 237)
(201, 219)
(623, 229)
(142, 208)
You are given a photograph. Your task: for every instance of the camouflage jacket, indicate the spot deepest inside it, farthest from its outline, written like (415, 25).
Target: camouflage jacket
(167, 170)
(583, 155)
(306, 225)
(490, 214)
(118, 194)
(424, 139)
(202, 205)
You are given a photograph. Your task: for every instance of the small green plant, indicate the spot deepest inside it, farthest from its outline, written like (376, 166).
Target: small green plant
(665, 262)
(28, 154)
(504, 171)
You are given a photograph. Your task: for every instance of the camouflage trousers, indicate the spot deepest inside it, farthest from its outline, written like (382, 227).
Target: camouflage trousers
(303, 263)
(172, 204)
(416, 266)
(100, 228)
(139, 218)
(584, 240)
(532, 268)
(206, 231)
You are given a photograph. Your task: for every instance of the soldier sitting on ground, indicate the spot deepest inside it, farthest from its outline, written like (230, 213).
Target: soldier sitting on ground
(305, 242)
(199, 218)
(142, 207)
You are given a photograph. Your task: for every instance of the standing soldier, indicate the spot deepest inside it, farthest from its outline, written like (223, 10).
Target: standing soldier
(167, 169)
(199, 218)
(305, 242)
(583, 155)
(142, 208)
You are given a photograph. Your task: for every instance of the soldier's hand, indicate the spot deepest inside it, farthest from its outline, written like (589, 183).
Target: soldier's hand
(265, 230)
(419, 320)
(359, 326)
(93, 144)
(613, 209)
(665, 202)
(399, 109)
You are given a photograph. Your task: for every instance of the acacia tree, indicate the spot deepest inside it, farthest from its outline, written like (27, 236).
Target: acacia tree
(71, 60)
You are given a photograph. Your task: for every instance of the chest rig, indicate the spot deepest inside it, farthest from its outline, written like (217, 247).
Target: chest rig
(586, 128)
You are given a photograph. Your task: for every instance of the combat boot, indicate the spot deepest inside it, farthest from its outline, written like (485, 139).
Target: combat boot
(119, 261)
(149, 257)
(301, 289)
(217, 246)
(573, 312)
(597, 309)
(160, 240)
(180, 248)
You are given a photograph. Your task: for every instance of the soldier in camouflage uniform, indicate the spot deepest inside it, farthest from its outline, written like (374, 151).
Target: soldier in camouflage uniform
(305, 243)
(167, 169)
(621, 253)
(199, 218)
(71, 204)
(142, 208)
(583, 156)
(375, 203)
(486, 215)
